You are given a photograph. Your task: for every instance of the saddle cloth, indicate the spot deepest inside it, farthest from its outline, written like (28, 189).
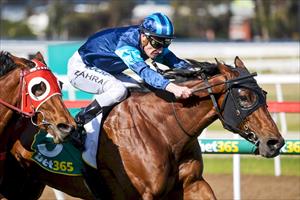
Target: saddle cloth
(61, 158)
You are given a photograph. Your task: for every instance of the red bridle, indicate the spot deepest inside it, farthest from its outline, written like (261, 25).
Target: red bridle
(30, 103)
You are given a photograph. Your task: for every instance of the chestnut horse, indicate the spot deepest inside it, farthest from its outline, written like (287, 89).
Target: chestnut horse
(149, 147)
(29, 89)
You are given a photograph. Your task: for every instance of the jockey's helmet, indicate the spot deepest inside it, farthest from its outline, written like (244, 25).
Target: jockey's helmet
(159, 25)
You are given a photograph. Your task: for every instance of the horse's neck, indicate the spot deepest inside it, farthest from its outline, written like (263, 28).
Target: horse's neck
(10, 84)
(195, 117)
(192, 116)
(198, 112)
(9, 93)
(148, 114)
(188, 118)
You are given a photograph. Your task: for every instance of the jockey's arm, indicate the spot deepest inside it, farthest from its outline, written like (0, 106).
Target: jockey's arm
(132, 58)
(135, 62)
(179, 91)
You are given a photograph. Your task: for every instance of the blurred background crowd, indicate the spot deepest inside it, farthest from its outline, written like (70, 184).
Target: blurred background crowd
(217, 20)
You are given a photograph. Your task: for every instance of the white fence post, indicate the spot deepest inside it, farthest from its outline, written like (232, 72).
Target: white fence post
(236, 175)
(283, 124)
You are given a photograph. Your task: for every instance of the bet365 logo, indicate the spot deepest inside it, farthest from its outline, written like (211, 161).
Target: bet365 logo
(220, 146)
(291, 147)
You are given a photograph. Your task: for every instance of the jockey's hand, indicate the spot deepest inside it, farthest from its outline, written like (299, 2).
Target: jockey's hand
(179, 91)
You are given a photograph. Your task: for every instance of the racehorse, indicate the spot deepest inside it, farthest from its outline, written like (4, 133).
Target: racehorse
(30, 90)
(149, 149)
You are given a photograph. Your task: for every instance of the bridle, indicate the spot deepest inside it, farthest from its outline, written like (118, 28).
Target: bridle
(30, 103)
(230, 105)
(15, 108)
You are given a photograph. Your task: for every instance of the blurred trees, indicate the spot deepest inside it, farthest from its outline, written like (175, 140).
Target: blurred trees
(201, 19)
(66, 22)
(277, 19)
(196, 18)
(120, 12)
(15, 29)
(58, 12)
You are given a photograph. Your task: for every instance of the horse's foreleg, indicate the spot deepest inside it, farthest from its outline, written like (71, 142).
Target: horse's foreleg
(198, 189)
(194, 186)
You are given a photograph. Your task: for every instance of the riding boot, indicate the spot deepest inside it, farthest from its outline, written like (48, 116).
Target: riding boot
(94, 182)
(88, 113)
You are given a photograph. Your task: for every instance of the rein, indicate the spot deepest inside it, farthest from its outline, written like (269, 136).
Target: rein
(209, 89)
(178, 121)
(26, 114)
(207, 86)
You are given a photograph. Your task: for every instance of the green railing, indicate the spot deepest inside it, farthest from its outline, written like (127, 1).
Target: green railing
(236, 146)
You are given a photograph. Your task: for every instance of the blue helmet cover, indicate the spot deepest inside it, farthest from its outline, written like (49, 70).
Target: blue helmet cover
(159, 25)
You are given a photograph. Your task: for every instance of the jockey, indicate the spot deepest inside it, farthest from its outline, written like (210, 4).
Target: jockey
(98, 64)
(97, 68)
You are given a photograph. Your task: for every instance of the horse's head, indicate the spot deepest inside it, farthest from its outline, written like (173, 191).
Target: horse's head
(41, 96)
(244, 110)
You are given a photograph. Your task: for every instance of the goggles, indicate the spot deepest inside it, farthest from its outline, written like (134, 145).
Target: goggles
(157, 44)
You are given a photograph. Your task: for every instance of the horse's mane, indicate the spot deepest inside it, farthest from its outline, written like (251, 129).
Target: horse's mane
(194, 71)
(6, 63)
(209, 69)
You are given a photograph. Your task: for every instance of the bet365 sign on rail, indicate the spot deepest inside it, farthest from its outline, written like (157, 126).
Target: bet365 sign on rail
(242, 146)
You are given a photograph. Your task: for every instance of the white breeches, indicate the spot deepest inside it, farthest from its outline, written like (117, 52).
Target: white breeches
(108, 89)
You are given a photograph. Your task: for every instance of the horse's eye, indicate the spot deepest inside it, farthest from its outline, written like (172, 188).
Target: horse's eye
(264, 94)
(243, 98)
(246, 98)
(60, 84)
(39, 89)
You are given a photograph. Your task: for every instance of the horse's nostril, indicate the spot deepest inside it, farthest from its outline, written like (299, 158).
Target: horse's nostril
(65, 127)
(273, 143)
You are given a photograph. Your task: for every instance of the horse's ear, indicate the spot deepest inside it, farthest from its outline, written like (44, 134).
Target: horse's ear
(194, 63)
(60, 84)
(5, 57)
(238, 62)
(39, 57)
(223, 68)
